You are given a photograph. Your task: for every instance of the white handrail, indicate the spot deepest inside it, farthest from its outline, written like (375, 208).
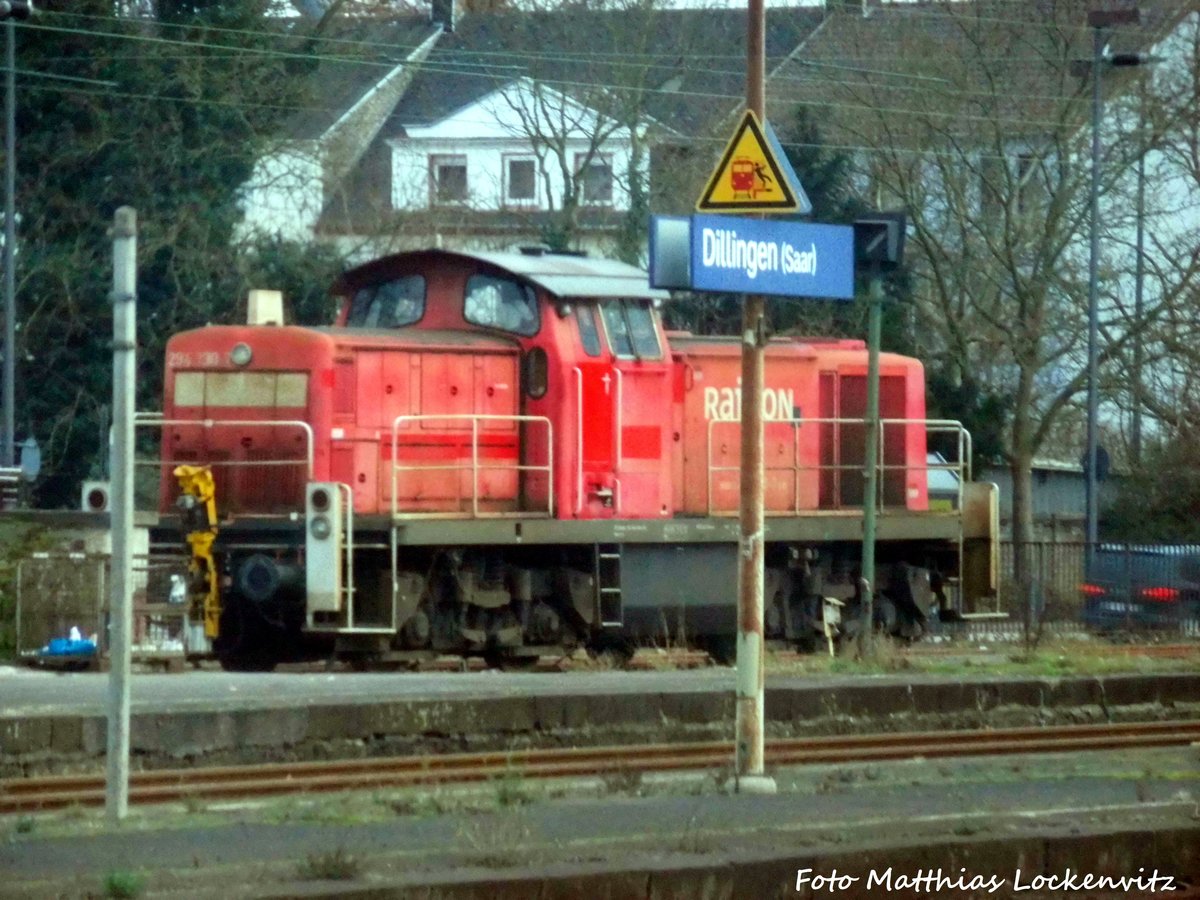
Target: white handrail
(474, 466)
(155, 420)
(962, 467)
(578, 439)
(348, 525)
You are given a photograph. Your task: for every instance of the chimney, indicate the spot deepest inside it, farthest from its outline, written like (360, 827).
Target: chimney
(441, 12)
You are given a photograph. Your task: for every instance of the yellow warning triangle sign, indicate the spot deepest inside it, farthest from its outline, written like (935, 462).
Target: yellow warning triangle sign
(754, 175)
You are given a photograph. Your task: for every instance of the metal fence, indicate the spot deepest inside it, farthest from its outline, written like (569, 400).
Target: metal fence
(60, 591)
(1118, 585)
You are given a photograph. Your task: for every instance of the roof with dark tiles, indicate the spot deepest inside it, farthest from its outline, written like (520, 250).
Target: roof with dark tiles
(351, 58)
(687, 65)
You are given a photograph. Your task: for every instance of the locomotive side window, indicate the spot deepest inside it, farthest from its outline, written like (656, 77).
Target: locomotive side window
(589, 335)
(642, 330)
(617, 327)
(501, 303)
(631, 331)
(389, 305)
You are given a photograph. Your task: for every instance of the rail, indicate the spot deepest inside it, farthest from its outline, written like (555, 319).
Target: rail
(474, 466)
(959, 469)
(56, 792)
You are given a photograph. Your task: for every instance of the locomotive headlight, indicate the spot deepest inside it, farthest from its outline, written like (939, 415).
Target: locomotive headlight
(320, 527)
(241, 354)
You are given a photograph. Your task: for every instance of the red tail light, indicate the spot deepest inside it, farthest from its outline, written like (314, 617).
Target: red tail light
(1163, 594)
(1092, 590)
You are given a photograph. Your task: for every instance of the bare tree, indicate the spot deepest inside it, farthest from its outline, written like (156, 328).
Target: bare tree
(968, 116)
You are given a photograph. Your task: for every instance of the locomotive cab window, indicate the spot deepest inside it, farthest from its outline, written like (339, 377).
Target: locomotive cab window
(589, 335)
(389, 305)
(631, 329)
(501, 303)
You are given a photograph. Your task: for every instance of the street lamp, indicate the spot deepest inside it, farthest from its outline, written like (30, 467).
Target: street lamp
(9, 11)
(1099, 21)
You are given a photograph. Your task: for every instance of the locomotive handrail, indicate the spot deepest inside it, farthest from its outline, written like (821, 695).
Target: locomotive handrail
(348, 525)
(620, 427)
(578, 439)
(155, 420)
(961, 467)
(474, 466)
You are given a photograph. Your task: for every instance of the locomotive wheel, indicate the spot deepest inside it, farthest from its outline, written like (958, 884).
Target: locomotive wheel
(613, 649)
(722, 648)
(247, 642)
(508, 662)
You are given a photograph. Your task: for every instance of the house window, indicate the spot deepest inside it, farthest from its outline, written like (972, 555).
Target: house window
(520, 180)
(448, 179)
(596, 179)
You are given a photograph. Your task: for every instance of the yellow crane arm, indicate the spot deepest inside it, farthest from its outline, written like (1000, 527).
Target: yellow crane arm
(198, 502)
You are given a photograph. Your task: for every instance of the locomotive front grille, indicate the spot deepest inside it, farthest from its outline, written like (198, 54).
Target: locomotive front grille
(245, 390)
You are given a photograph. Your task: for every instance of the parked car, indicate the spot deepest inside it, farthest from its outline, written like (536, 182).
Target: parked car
(1141, 587)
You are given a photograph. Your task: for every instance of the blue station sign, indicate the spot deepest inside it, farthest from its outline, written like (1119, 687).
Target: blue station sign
(753, 256)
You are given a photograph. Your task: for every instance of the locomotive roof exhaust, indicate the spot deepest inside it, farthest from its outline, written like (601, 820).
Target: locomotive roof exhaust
(264, 308)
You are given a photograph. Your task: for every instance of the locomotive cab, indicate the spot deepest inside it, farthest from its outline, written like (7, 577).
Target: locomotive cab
(590, 393)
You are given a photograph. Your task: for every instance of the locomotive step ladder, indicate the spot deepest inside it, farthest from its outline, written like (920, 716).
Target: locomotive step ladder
(608, 585)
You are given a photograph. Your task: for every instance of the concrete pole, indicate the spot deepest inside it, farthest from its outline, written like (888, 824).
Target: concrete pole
(124, 299)
(750, 777)
(1090, 514)
(1139, 304)
(7, 452)
(871, 463)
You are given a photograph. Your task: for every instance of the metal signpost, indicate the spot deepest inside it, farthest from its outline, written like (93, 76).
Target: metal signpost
(719, 253)
(124, 299)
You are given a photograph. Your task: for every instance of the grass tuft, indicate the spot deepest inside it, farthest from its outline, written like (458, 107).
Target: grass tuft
(330, 865)
(121, 884)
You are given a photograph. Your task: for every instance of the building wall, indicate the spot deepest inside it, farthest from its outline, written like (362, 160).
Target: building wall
(498, 127)
(1058, 500)
(284, 195)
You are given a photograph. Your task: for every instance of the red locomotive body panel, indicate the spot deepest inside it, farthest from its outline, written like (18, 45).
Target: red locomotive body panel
(812, 461)
(257, 468)
(597, 415)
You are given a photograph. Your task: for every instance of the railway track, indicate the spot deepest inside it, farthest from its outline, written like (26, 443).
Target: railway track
(247, 782)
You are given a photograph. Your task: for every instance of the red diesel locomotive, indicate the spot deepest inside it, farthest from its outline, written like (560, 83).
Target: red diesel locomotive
(506, 454)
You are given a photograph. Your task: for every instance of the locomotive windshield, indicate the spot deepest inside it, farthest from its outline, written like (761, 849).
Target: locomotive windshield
(501, 303)
(631, 331)
(390, 304)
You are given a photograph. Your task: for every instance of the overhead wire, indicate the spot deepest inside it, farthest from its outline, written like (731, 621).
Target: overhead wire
(451, 67)
(466, 65)
(583, 56)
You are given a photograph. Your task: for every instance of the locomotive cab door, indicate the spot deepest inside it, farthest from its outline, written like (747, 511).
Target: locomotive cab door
(594, 419)
(623, 395)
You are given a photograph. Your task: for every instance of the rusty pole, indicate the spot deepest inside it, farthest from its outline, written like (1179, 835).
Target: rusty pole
(749, 776)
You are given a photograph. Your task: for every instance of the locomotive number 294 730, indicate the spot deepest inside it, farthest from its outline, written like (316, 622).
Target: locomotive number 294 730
(203, 360)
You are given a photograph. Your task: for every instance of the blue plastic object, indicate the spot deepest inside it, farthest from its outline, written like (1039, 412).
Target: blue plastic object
(68, 647)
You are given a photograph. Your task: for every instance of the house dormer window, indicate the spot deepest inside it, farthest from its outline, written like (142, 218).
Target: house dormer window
(520, 181)
(595, 178)
(447, 179)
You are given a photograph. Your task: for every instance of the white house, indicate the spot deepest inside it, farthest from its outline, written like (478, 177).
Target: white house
(498, 153)
(502, 129)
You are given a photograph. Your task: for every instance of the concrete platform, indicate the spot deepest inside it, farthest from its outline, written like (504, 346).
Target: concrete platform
(52, 722)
